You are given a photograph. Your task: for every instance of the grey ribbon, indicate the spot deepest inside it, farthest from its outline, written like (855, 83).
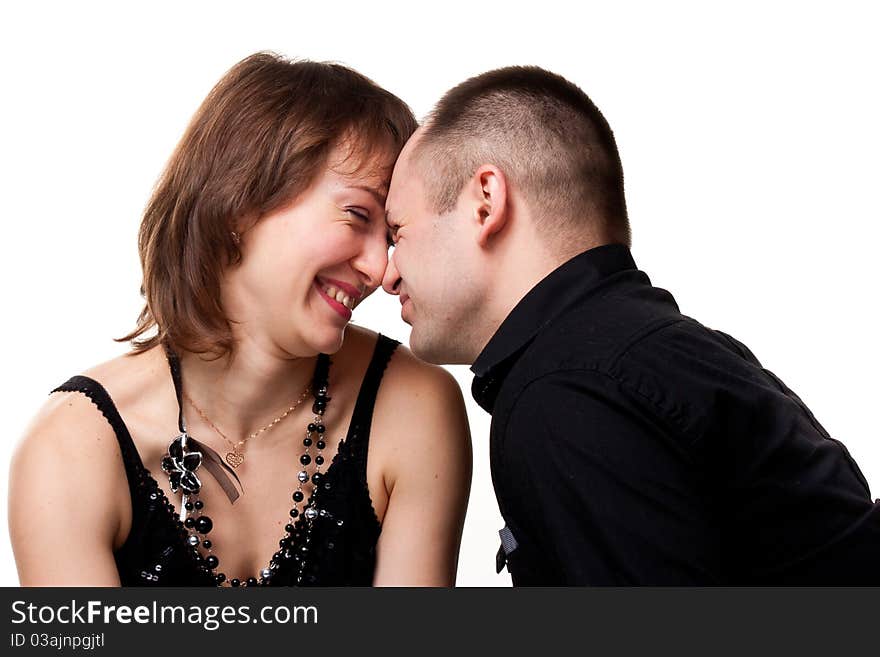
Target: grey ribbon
(218, 469)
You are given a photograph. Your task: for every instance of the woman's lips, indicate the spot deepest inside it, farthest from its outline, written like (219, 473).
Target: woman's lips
(349, 289)
(343, 312)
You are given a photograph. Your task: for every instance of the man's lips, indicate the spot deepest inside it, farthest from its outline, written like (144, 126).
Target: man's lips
(403, 307)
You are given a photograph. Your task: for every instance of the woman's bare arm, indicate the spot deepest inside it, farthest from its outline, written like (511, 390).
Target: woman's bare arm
(65, 482)
(430, 476)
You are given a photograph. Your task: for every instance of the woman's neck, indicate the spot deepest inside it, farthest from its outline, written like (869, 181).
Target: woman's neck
(245, 391)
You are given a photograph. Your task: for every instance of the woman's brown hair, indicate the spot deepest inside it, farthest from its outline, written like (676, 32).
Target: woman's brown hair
(257, 141)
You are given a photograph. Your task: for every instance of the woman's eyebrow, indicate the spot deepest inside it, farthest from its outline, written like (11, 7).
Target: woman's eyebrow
(376, 193)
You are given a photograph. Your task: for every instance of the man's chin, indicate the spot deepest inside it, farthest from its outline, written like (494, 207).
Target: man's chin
(432, 351)
(423, 349)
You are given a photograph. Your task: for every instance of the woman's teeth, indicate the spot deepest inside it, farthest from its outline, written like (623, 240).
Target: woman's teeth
(340, 296)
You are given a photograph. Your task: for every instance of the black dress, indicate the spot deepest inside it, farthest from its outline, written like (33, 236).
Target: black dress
(342, 549)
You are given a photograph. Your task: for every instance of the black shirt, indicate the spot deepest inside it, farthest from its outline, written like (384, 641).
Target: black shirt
(632, 445)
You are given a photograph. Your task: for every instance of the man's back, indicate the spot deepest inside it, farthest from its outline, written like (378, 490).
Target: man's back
(632, 445)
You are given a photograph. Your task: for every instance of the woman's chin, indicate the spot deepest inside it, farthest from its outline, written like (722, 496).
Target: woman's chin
(328, 342)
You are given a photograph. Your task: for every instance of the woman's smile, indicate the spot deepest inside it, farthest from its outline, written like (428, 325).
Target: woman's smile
(336, 299)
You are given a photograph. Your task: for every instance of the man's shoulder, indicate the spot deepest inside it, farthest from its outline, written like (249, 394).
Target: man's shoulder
(584, 345)
(596, 334)
(639, 348)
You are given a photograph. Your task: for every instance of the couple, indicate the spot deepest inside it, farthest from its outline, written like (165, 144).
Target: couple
(254, 437)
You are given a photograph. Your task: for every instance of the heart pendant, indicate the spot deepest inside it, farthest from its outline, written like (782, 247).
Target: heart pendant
(234, 459)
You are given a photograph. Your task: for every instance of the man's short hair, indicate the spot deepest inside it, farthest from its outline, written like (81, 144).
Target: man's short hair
(548, 138)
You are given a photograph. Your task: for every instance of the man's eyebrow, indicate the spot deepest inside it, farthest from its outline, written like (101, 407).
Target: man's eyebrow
(390, 228)
(376, 193)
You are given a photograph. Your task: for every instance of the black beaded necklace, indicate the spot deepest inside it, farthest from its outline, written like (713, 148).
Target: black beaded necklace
(185, 456)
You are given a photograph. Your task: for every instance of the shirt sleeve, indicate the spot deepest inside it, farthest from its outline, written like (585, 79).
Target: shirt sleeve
(601, 492)
(791, 504)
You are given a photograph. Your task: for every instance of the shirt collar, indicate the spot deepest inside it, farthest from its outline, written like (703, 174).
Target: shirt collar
(557, 292)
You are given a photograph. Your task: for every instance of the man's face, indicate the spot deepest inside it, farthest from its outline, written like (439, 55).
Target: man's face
(433, 268)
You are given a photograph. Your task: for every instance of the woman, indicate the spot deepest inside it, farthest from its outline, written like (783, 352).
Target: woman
(225, 449)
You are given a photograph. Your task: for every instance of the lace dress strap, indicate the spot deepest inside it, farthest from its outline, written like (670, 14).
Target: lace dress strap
(101, 398)
(362, 417)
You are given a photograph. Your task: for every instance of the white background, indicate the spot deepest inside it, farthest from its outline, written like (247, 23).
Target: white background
(749, 138)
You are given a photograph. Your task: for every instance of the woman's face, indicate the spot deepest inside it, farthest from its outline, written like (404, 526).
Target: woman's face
(306, 266)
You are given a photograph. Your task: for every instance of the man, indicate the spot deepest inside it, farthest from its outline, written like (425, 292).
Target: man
(629, 443)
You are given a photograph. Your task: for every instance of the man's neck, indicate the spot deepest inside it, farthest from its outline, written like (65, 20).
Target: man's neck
(519, 270)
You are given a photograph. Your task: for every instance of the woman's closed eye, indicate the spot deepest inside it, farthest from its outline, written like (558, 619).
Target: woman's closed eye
(360, 213)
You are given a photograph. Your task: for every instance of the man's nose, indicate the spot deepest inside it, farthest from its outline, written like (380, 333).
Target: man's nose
(391, 280)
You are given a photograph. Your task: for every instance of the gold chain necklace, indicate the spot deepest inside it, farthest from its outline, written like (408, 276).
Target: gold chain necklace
(235, 457)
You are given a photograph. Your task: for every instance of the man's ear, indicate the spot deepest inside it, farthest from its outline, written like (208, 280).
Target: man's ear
(488, 192)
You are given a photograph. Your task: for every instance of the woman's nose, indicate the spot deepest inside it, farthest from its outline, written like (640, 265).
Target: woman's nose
(372, 262)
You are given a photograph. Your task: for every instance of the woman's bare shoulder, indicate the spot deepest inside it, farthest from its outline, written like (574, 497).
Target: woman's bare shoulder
(424, 454)
(67, 469)
(414, 393)
(129, 377)
(407, 373)
(66, 424)
(404, 369)
(69, 426)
